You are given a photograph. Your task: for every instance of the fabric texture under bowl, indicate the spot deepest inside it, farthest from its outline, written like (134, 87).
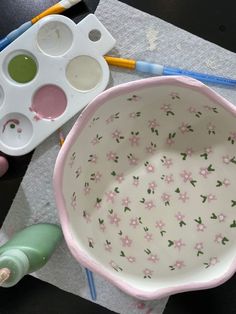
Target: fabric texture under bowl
(144, 185)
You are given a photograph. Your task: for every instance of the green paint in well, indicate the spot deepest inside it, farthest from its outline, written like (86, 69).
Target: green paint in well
(22, 68)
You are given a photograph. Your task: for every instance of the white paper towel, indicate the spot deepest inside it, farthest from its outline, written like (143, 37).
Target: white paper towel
(142, 37)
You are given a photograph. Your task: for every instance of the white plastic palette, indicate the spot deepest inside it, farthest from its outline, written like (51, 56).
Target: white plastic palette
(48, 75)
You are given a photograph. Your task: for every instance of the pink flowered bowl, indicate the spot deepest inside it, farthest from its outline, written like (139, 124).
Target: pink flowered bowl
(145, 187)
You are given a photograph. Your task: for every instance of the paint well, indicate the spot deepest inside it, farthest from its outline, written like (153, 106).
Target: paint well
(22, 68)
(54, 38)
(16, 130)
(49, 102)
(84, 73)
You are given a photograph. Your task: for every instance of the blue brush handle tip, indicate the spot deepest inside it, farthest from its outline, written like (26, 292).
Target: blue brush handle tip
(14, 34)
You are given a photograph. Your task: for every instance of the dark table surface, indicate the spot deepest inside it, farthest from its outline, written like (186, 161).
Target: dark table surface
(212, 20)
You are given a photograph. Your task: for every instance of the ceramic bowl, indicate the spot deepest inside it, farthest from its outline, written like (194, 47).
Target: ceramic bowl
(145, 187)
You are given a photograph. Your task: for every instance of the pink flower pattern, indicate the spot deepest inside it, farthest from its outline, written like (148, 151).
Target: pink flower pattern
(134, 222)
(153, 258)
(148, 236)
(126, 241)
(183, 197)
(114, 219)
(147, 157)
(186, 175)
(178, 244)
(110, 196)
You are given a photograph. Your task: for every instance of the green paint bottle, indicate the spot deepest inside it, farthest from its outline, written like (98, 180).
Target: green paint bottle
(27, 251)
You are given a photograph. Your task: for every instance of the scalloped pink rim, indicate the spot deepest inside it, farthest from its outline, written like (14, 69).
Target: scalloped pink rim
(76, 251)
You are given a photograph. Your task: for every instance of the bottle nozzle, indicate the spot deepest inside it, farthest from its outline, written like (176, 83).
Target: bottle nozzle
(4, 275)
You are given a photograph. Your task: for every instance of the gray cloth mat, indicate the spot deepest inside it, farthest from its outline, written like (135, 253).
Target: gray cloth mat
(142, 37)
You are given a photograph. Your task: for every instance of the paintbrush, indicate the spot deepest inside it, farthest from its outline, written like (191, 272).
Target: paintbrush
(55, 9)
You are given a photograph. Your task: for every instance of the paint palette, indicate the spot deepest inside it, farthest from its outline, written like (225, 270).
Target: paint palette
(48, 75)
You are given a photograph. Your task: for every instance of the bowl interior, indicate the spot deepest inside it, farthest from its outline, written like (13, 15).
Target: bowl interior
(148, 187)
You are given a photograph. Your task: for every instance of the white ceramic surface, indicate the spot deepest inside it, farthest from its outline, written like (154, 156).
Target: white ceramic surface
(33, 108)
(145, 187)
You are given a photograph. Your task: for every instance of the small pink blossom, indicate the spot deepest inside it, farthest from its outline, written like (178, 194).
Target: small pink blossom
(149, 167)
(192, 109)
(149, 204)
(213, 261)
(147, 272)
(135, 181)
(232, 135)
(226, 182)
(112, 117)
(133, 161)
(226, 159)
(218, 238)
(166, 107)
(189, 152)
(151, 149)
(120, 177)
(87, 189)
(201, 227)
(211, 197)
(102, 227)
(211, 128)
(183, 197)
(184, 128)
(186, 175)
(108, 246)
(111, 156)
(114, 219)
(87, 217)
(208, 150)
(110, 196)
(96, 140)
(148, 236)
(97, 177)
(152, 124)
(174, 95)
(152, 185)
(97, 204)
(133, 115)
(208, 107)
(126, 201)
(134, 140)
(153, 258)
(221, 217)
(116, 134)
(126, 241)
(134, 222)
(169, 179)
(131, 259)
(167, 162)
(204, 172)
(165, 197)
(170, 141)
(179, 216)
(160, 224)
(179, 244)
(179, 264)
(199, 246)
(93, 158)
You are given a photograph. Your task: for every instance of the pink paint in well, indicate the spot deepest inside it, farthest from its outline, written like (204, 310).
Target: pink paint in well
(49, 102)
